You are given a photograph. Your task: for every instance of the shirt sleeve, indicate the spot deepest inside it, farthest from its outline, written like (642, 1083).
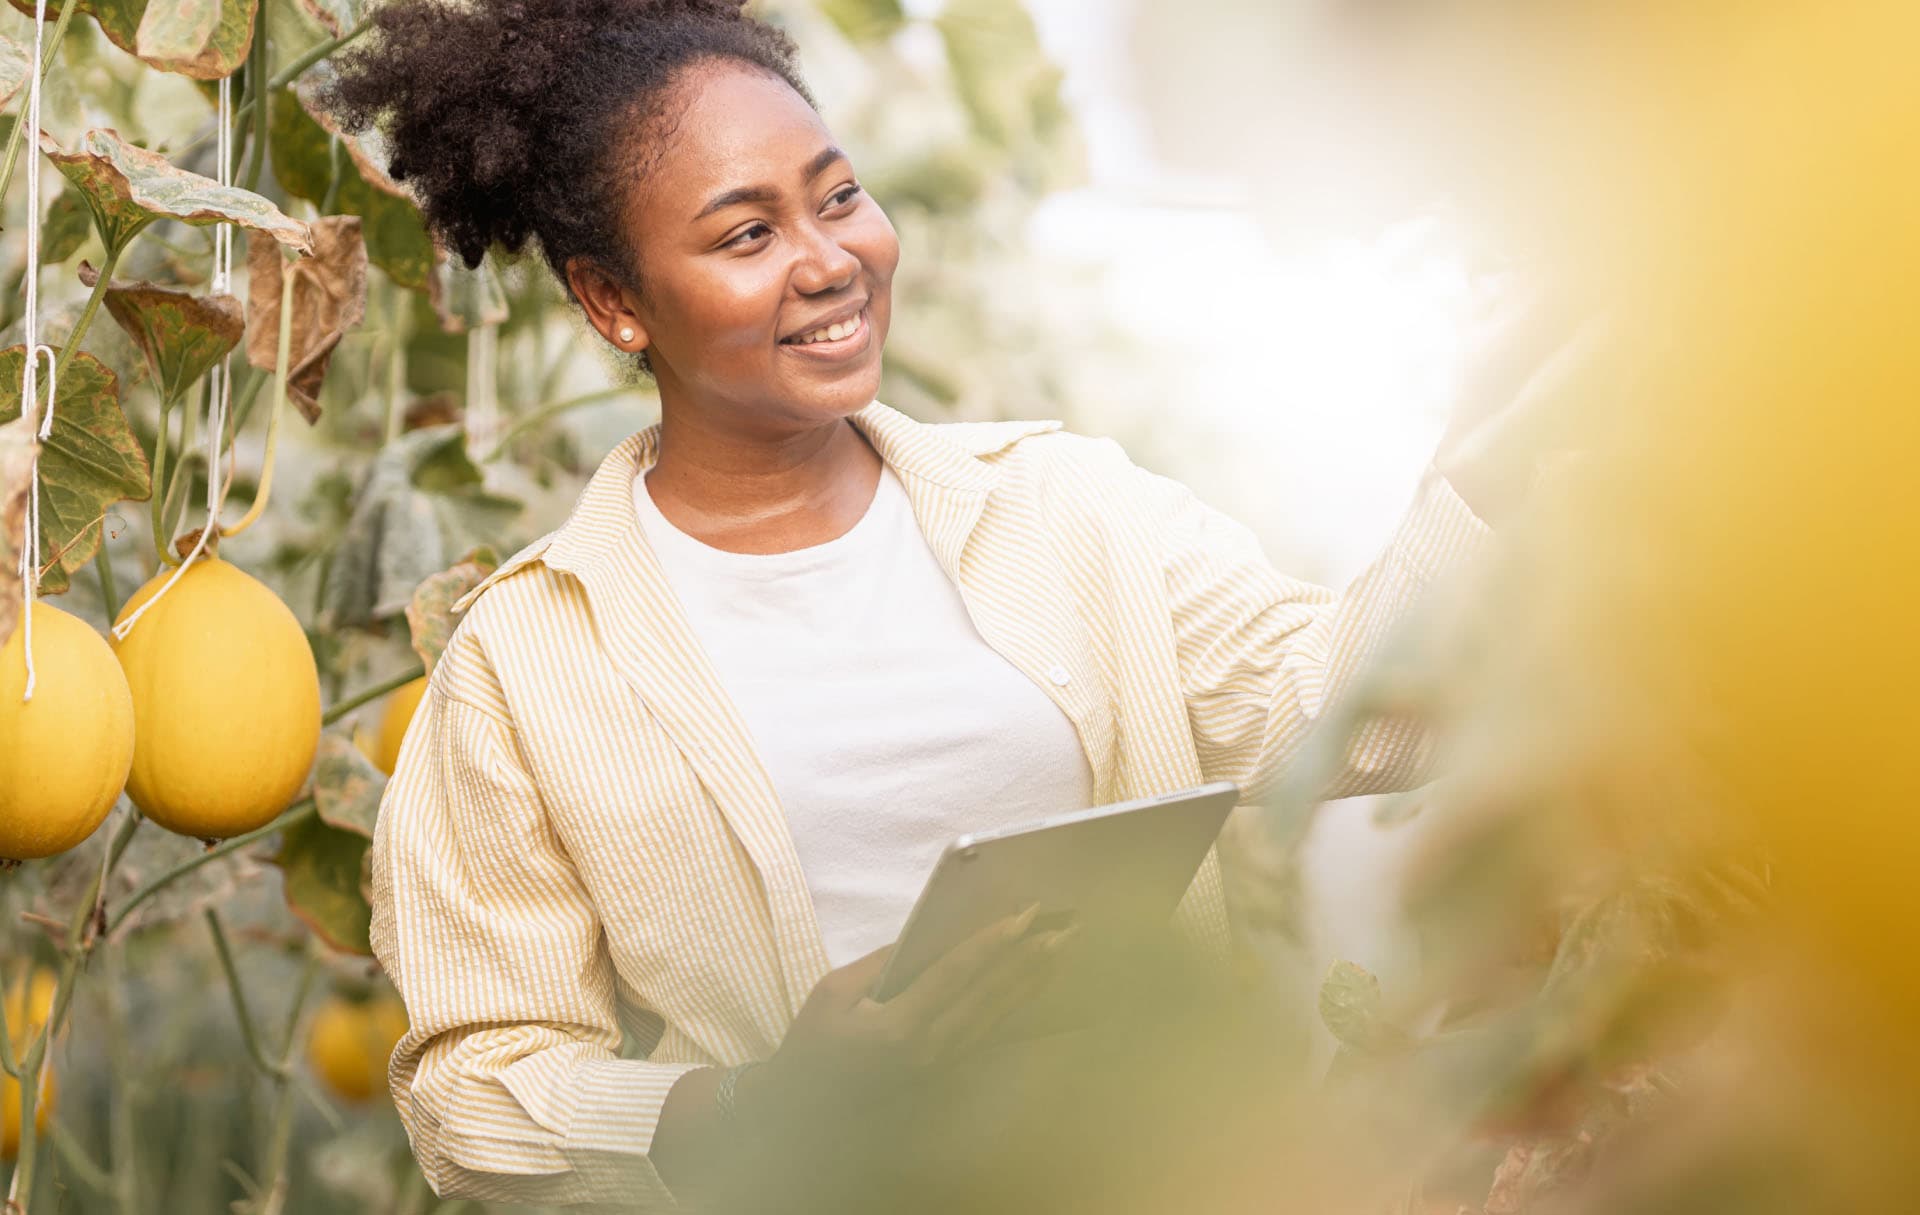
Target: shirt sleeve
(1261, 655)
(509, 1080)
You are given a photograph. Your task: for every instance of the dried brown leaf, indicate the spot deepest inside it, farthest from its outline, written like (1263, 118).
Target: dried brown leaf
(329, 298)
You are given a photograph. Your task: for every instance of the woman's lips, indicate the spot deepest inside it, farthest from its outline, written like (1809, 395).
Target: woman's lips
(855, 335)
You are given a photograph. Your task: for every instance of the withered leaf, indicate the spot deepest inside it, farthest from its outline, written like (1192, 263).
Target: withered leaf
(201, 39)
(321, 867)
(1353, 1011)
(181, 334)
(430, 613)
(90, 461)
(329, 298)
(346, 785)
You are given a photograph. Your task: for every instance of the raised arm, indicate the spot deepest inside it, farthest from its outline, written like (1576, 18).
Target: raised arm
(508, 1081)
(1261, 655)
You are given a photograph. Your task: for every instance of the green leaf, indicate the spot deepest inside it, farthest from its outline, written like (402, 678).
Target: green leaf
(1353, 1011)
(1012, 90)
(396, 234)
(301, 153)
(15, 67)
(346, 786)
(321, 867)
(91, 460)
(17, 446)
(436, 458)
(391, 543)
(128, 187)
(430, 612)
(66, 227)
(181, 334)
(865, 20)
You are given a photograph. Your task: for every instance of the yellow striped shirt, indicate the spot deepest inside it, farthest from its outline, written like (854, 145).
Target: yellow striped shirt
(583, 882)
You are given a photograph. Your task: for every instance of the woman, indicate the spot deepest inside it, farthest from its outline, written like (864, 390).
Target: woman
(689, 757)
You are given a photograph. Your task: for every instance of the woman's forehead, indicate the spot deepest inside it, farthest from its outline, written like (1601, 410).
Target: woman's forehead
(733, 127)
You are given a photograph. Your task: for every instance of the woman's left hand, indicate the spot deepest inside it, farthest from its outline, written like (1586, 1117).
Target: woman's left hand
(1518, 403)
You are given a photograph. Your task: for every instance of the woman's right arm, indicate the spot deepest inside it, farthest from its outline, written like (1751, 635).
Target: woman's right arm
(508, 1079)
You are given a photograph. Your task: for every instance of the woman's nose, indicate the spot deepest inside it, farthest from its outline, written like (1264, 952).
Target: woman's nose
(825, 265)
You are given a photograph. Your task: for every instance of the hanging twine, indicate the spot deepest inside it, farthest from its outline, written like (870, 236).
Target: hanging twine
(30, 373)
(220, 378)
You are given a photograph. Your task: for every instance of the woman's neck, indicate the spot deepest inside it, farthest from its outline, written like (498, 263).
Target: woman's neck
(766, 489)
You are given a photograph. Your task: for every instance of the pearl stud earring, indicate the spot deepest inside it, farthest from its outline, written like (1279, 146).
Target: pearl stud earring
(626, 335)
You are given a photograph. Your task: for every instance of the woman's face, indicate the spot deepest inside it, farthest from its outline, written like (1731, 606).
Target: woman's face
(765, 268)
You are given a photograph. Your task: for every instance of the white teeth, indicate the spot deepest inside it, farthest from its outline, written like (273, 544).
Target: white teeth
(832, 333)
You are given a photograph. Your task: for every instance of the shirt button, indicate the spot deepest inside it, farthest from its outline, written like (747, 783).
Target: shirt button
(1059, 677)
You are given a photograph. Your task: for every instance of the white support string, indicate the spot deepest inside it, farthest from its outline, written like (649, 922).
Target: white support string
(30, 373)
(220, 380)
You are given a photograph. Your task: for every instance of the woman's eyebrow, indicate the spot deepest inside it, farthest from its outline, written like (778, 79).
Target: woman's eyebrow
(767, 194)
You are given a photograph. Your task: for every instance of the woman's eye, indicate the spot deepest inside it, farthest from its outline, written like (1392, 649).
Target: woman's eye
(844, 195)
(746, 235)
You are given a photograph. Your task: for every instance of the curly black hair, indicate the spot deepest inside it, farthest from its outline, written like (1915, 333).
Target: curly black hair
(512, 119)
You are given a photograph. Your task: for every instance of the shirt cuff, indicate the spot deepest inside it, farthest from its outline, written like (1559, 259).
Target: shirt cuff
(615, 1110)
(1440, 531)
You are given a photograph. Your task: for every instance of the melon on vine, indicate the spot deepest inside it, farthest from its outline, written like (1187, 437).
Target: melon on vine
(226, 702)
(351, 1041)
(29, 1004)
(65, 754)
(382, 749)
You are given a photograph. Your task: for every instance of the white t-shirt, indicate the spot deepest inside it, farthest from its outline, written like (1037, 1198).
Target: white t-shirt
(887, 724)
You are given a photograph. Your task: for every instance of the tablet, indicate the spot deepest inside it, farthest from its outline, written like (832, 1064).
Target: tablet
(1118, 871)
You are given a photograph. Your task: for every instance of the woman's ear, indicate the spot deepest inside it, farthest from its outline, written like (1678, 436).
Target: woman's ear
(608, 305)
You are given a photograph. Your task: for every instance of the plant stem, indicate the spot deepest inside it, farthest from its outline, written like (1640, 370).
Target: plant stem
(243, 402)
(237, 991)
(99, 292)
(109, 593)
(76, 1159)
(336, 712)
(123, 1154)
(157, 497)
(298, 812)
(31, 1065)
(279, 403)
(258, 54)
(548, 413)
(20, 118)
(280, 1136)
(288, 74)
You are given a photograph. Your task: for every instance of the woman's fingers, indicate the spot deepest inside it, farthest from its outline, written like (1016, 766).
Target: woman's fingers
(964, 1025)
(947, 980)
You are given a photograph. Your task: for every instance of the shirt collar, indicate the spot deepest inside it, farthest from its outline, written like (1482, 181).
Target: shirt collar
(950, 456)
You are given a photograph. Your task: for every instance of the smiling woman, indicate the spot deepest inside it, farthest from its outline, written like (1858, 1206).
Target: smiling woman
(688, 758)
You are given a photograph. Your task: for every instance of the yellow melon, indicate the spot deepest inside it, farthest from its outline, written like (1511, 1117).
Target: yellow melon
(64, 755)
(350, 1041)
(226, 702)
(383, 749)
(29, 1004)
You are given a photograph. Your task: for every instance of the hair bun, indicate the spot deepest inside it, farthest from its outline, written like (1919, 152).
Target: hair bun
(511, 119)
